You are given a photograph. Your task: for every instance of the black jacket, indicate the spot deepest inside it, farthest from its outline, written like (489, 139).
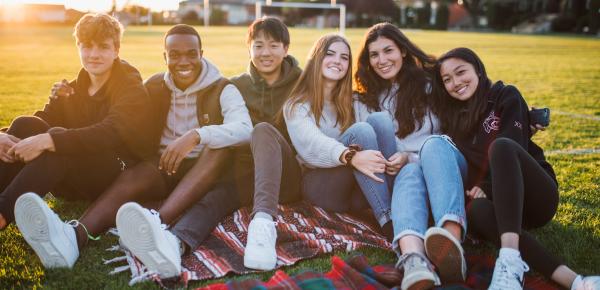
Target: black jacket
(507, 115)
(115, 119)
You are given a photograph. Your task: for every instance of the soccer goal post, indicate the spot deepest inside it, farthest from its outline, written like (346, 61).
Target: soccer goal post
(333, 5)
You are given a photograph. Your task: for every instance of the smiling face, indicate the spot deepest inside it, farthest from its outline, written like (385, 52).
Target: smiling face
(97, 57)
(385, 58)
(267, 55)
(336, 61)
(184, 58)
(460, 78)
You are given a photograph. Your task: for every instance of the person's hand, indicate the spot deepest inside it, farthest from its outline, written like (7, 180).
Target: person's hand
(31, 147)
(177, 150)
(7, 141)
(61, 89)
(536, 127)
(369, 162)
(475, 192)
(396, 162)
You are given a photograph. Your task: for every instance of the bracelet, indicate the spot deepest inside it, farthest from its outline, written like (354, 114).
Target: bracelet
(352, 149)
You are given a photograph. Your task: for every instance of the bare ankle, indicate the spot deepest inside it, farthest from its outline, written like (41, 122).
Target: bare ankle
(3, 223)
(454, 229)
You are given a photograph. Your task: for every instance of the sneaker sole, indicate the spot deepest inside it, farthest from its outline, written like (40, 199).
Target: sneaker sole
(446, 256)
(33, 224)
(257, 264)
(138, 236)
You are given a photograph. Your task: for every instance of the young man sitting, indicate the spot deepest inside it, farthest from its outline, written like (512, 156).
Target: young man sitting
(77, 146)
(202, 114)
(265, 87)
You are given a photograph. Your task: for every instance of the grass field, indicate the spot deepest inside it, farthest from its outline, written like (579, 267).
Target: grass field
(560, 72)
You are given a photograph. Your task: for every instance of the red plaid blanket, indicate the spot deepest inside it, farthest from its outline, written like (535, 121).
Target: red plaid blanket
(303, 232)
(355, 273)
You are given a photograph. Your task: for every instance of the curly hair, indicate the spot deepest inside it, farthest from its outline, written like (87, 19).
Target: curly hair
(96, 27)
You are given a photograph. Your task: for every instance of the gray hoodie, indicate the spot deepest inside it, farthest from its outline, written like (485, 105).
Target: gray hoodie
(182, 116)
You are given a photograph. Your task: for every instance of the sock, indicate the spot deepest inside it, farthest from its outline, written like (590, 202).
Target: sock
(263, 215)
(509, 253)
(576, 282)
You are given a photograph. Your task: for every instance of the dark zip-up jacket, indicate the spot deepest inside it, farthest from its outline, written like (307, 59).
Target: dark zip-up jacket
(264, 101)
(507, 115)
(117, 118)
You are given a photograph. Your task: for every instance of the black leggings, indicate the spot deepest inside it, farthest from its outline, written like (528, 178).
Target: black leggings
(81, 177)
(524, 196)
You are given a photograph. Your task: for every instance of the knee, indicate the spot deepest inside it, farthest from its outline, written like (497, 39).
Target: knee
(262, 131)
(363, 133)
(56, 129)
(433, 145)
(502, 147)
(380, 120)
(25, 126)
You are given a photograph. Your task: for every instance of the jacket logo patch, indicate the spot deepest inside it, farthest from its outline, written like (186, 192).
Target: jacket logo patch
(205, 118)
(492, 122)
(518, 125)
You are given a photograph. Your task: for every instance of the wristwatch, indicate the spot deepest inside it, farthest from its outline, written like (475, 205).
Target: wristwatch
(352, 149)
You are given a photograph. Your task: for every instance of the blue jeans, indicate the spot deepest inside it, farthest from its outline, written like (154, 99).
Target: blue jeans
(333, 188)
(434, 183)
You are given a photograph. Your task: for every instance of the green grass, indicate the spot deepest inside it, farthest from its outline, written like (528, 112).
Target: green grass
(559, 72)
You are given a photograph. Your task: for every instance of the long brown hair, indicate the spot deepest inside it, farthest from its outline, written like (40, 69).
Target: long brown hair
(459, 118)
(309, 87)
(412, 79)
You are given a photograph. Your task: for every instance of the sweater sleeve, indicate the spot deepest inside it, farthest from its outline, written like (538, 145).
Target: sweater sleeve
(52, 113)
(361, 112)
(313, 146)
(237, 126)
(514, 120)
(105, 135)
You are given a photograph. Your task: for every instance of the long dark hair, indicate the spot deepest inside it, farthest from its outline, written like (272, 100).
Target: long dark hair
(460, 118)
(412, 79)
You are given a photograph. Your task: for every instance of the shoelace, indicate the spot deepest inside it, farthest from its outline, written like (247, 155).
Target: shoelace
(403, 261)
(264, 234)
(508, 272)
(156, 215)
(164, 227)
(76, 223)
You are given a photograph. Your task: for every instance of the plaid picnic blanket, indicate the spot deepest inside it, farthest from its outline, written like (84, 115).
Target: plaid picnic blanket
(356, 273)
(304, 231)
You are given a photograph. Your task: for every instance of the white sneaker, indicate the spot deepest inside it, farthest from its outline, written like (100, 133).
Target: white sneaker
(589, 283)
(54, 241)
(508, 273)
(141, 232)
(260, 250)
(446, 253)
(418, 272)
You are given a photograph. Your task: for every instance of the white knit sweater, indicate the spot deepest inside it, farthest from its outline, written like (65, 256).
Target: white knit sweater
(317, 146)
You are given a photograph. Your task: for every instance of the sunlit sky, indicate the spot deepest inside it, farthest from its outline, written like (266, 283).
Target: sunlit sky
(101, 5)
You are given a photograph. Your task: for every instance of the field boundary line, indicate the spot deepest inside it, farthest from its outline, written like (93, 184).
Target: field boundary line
(579, 116)
(573, 151)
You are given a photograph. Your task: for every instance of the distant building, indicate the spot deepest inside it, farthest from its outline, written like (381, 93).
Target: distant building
(234, 12)
(34, 13)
